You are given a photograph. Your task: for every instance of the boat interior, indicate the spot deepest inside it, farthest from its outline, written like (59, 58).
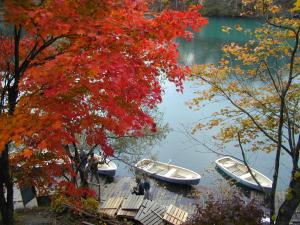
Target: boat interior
(241, 171)
(106, 165)
(165, 170)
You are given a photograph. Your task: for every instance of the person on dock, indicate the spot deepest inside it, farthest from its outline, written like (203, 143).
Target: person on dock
(93, 167)
(139, 188)
(83, 159)
(147, 186)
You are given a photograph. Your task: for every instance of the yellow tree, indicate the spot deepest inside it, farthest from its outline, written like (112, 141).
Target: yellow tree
(297, 6)
(261, 81)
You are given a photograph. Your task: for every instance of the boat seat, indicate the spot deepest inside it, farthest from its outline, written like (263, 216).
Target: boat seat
(264, 184)
(227, 165)
(247, 175)
(170, 172)
(243, 168)
(149, 166)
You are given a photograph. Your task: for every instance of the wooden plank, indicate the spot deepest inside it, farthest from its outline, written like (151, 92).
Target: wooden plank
(140, 212)
(126, 203)
(152, 219)
(139, 202)
(117, 203)
(133, 202)
(121, 186)
(184, 218)
(108, 204)
(171, 217)
(158, 217)
(126, 213)
(111, 206)
(180, 214)
(150, 213)
(130, 206)
(145, 210)
(159, 212)
(175, 215)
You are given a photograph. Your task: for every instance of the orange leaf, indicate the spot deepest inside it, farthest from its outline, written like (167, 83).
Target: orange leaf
(27, 153)
(57, 125)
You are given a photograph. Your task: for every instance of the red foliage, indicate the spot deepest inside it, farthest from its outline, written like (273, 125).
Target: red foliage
(89, 65)
(74, 195)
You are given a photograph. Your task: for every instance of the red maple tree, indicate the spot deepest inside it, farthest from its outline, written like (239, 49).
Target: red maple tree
(91, 66)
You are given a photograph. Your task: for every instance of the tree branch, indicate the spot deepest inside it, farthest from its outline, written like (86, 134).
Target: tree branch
(247, 113)
(249, 169)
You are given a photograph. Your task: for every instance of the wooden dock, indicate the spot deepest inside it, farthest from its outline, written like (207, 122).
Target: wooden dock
(115, 193)
(183, 197)
(162, 193)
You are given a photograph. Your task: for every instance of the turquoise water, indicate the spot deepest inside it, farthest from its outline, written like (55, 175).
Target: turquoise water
(177, 147)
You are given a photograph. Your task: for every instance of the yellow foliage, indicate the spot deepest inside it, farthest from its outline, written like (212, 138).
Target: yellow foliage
(274, 9)
(249, 78)
(226, 29)
(297, 6)
(213, 123)
(238, 27)
(252, 72)
(57, 203)
(90, 205)
(199, 126)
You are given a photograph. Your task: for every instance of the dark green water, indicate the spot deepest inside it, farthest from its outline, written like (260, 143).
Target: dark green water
(205, 48)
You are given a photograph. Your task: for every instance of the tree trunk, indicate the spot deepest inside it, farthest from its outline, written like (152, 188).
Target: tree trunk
(6, 190)
(290, 204)
(78, 167)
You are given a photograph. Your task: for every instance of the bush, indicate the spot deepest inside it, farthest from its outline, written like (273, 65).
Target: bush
(68, 195)
(90, 205)
(229, 211)
(58, 202)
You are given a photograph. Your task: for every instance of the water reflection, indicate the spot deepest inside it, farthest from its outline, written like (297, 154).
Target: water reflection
(206, 45)
(205, 48)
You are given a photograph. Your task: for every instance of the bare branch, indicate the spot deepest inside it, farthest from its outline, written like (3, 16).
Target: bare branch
(247, 113)
(187, 134)
(281, 26)
(246, 164)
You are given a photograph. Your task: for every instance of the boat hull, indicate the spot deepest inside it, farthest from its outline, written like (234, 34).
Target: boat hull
(107, 169)
(107, 172)
(186, 181)
(174, 181)
(242, 181)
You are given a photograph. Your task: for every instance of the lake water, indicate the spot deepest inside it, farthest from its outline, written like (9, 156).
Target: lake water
(205, 48)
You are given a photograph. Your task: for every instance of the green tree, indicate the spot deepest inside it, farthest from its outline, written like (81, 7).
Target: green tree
(260, 80)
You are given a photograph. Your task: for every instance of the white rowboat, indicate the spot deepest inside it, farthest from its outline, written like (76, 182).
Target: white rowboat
(239, 171)
(108, 168)
(168, 172)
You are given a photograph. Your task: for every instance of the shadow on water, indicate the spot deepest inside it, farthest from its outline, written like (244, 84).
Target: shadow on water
(176, 188)
(245, 191)
(186, 191)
